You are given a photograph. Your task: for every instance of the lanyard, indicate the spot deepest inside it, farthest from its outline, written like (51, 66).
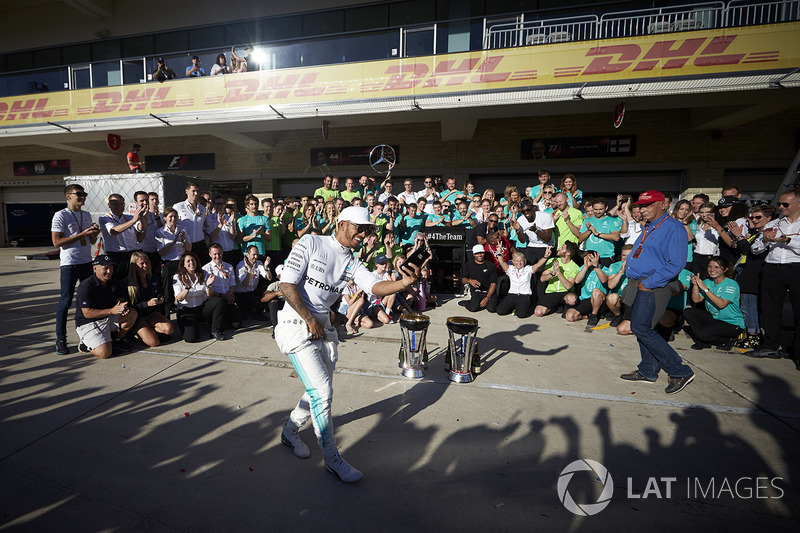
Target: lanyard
(646, 233)
(221, 271)
(80, 224)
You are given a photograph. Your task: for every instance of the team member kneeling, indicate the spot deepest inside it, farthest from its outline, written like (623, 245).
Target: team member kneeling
(144, 294)
(193, 293)
(99, 309)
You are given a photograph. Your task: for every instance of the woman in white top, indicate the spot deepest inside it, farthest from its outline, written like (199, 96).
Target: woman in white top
(251, 281)
(706, 240)
(220, 66)
(519, 294)
(192, 290)
(171, 242)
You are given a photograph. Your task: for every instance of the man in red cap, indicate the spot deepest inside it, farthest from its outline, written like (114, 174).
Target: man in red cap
(652, 269)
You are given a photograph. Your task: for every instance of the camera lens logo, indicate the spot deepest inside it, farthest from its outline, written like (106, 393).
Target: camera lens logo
(587, 509)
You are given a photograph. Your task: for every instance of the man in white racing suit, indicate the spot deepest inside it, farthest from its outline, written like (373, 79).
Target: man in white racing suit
(314, 276)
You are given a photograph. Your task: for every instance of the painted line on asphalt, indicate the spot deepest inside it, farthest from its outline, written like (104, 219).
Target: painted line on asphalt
(594, 396)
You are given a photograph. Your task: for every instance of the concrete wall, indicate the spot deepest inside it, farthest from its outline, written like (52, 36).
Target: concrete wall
(664, 144)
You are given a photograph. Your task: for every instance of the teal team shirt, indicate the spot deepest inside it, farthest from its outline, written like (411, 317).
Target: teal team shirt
(438, 219)
(607, 224)
(411, 228)
(247, 224)
(612, 269)
(727, 289)
(590, 283)
(679, 302)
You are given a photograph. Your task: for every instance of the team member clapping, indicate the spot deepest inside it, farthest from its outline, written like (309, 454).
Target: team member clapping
(144, 295)
(192, 292)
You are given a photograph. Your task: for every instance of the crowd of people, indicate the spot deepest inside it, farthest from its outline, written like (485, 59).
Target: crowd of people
(533, 252)
(721, 270)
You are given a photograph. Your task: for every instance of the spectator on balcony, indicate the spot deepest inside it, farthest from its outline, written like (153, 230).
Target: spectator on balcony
(220, 66)
(240, 60)
(195, 70)
(163, 72)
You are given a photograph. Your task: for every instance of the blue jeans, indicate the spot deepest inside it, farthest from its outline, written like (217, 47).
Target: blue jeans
(70, 276)
(656, 352)
(750, 312)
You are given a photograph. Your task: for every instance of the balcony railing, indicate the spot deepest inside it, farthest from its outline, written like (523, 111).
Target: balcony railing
(425, 40)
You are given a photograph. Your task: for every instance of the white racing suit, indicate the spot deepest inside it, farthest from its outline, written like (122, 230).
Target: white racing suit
(320, 267)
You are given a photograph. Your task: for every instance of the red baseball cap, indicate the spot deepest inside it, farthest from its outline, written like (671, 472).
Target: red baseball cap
(649, 197)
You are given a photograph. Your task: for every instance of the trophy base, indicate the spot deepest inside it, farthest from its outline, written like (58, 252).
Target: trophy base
(461, 377)
(411, 372)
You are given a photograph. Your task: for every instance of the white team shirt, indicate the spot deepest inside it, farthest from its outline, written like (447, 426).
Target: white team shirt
(241, 273)
(781, 253)
(408, 197)
(224, 237)
(193, 220)
(196, 295)
(541, 221)
(706, 241)
(520, 279)
(149, 243)
(321, 268)
(225, 278)
(164, 237)
(70, 223)
(122, 242)
(429, 199)
(634, 230)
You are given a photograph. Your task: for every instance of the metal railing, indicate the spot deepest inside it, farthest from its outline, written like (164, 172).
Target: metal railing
(662, 20)
(530, 32)
(508, 32)
(739, 13)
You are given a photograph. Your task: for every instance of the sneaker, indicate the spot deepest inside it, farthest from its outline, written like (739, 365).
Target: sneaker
(635, 375)
(616, 320)
(292, 439)
(767, 353)
(678, 384)
(336, 464)
(592, 320)
(700, 346)
(61, 347)
(83, 348)
(122, 345)
(725, 347)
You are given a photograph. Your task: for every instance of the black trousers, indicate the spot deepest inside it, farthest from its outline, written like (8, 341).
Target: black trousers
(168, 270)
(200, 248)
(248, 302)
(474, 303)
(776, 280)
(193, 320)
(706, 328)
(275, 306)
(521, 303)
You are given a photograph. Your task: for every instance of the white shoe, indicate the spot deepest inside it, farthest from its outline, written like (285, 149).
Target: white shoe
(292, 439)
(335, 463)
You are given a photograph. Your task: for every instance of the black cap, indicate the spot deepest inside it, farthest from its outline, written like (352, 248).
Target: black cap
(160, 60)
(726, 201)
(102, 260)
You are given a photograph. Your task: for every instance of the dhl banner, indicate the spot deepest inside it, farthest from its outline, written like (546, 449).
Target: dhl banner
(695, 54)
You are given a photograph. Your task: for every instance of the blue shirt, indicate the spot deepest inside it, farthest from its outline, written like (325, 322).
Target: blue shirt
(663, 254)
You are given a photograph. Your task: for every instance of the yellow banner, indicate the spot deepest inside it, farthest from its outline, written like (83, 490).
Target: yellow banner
(695, 54)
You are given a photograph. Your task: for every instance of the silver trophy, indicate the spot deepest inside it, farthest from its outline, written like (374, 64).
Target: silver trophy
(413, 351)
(462, 349)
